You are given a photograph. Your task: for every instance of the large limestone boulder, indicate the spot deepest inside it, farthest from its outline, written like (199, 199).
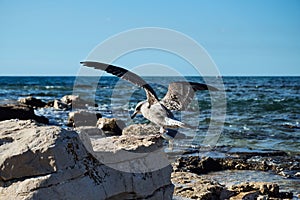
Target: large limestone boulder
(21, 112)
(48, 162)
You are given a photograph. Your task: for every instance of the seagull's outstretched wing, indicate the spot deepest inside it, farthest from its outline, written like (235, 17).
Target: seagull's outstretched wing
(126, 75)
(180, 94)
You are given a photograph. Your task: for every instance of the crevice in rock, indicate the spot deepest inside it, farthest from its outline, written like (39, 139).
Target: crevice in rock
(158, 190)
(6, 140)
(55, 184)
(92, 172)
(9, 182)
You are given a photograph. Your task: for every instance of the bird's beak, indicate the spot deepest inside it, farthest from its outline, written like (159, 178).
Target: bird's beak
(134, 114)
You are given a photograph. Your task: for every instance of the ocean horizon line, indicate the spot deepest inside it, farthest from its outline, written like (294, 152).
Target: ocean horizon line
(43, 75)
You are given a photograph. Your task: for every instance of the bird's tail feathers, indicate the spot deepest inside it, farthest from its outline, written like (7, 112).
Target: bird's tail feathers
(188, 126)
(172, 123)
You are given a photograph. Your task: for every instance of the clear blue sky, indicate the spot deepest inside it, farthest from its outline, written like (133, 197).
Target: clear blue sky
(251, 37)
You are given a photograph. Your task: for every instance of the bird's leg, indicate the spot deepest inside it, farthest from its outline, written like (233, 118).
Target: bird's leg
(171, 144)
(162, 130)
(170, 140)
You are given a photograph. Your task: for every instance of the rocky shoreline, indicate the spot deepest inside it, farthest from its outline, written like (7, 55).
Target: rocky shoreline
(100, 158)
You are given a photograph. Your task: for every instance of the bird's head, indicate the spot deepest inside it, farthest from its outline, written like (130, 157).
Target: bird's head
(138, 108)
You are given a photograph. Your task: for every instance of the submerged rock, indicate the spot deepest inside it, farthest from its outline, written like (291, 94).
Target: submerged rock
(21, 112)
(48, 162)
(33, 102)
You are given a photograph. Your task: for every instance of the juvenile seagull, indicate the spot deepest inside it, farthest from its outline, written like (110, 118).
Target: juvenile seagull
(179, 95)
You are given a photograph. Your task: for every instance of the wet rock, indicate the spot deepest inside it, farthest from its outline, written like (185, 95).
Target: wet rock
(21, 112)
(285, 166)
(48, 162)
(75, 102)
(69, 102)
(286, 174)
(33, 102)
(111, 126)
(197, 165)
(140, 129)
(50, 104)
(59, 105)
(249, 153)
(83, 118)
(262, 160)
(68, 99)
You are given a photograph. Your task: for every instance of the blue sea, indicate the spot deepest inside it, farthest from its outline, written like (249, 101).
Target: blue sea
(261, 112)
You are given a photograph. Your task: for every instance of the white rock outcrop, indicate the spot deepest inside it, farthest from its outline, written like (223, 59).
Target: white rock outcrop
(48, 162)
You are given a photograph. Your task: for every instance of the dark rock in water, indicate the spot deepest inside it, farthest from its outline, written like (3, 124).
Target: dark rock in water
(21, 112)
(50, 103)
(248, 153)
(262, 160)
(48, 162)
(285, 166)
(33, 102)
(111, 126)
(197, 165)
(83, 118)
